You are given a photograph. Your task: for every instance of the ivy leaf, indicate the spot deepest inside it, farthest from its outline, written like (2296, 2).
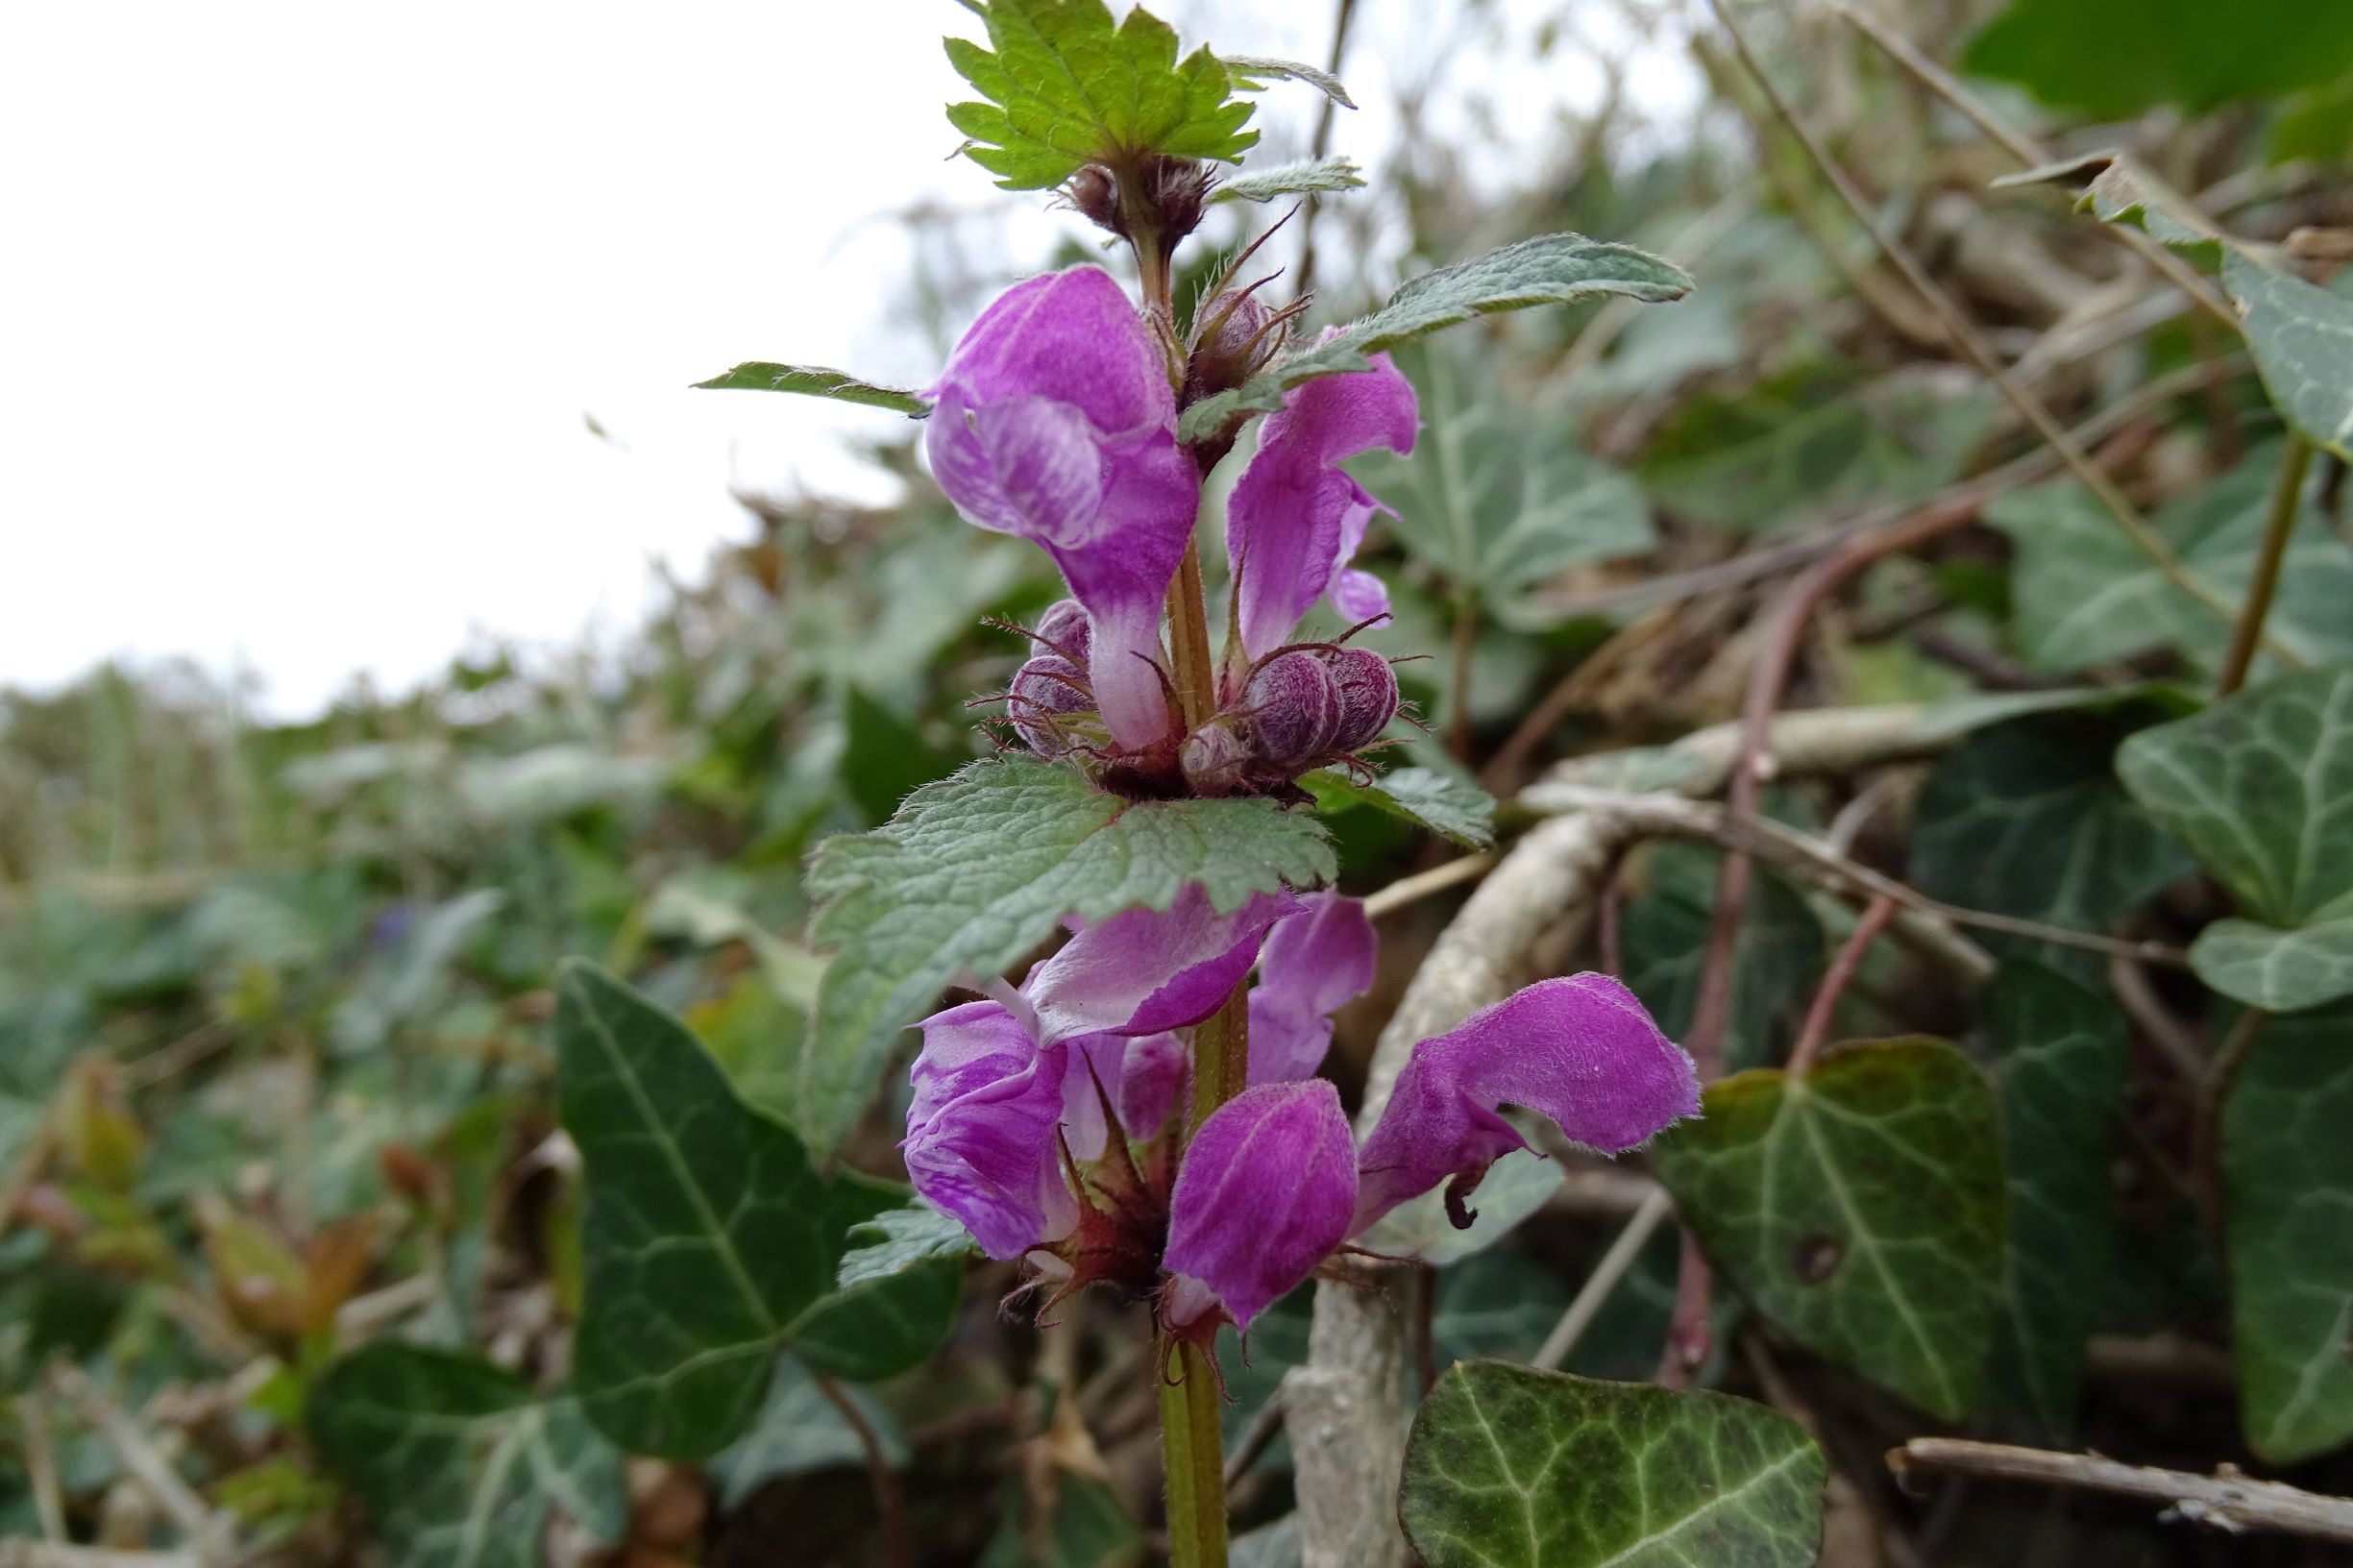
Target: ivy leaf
(1663, 936)
(1252, 72)
(1859, 1207)
(1088, 1528)
(798, 1430)
(1508, 1467)
(2288, 1188)
(709, 1240)
(2260, 787)
(817, 381)
(1550, 269)
(1496, 498)
(1065, 89)
(2082, 595)
(1499, 1303)
(459, 1463)
(2301, 337)
(1456, 809)
(975, 871)
(2063, 1055)
(1317, 176)
(2026, 819)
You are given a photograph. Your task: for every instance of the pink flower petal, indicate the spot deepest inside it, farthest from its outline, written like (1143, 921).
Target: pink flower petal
(1265, 1191)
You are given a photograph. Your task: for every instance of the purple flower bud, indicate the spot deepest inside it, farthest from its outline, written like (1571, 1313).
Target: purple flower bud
(1266, 1189)
(1066, 629)
(1045, 688)
(1213, 758)
(1231, 343)
(1294, 709)
(1368, 696)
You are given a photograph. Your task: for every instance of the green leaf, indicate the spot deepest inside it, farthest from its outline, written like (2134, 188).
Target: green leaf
(2260, 787)
(1317, 175)
(1496, 497)
(884, 758)
(975, 871)
(1067, 89)
(2026, 819)
(1508, 1467)
(1088, 1529)
(817, 381)
(1252, 72)
(708, 1240)
(2301, 337)
(900, 1240)
(1455, 809)
(2082, 595)
(1663, 939)
(1550, 269)
(2288, 1191)
(1514, 1188)
(458, 1462)
(797, 1431)
(2115, 58)
(1859, 1207)
(1815, 443)
(2280, 971)
(2061, 1057)
(1499, 1303)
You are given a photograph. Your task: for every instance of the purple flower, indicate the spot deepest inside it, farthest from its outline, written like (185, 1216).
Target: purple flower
(1295, 521)
(1311, 964)
(1055, 421)
(1262, 1167)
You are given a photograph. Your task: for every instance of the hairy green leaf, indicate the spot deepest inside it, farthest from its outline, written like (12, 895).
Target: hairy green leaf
(2288, 1191)
(817, 381)
(458, 1462)
(1317, 175)
(2061, 1057)
(1859, 1207)
(975, 869)
(2260, 787)
(1550, 269)
(898, 1240)
(1508, 1467)
(1252, 72)
(1455, 809)
(2083, 593)
(1066, 87)
(709, 1240)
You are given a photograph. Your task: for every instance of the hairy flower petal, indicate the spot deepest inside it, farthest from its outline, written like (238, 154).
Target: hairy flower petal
(1580, 1050)
(980, 1140)
(1313, 964)
(1055, 422)
(1142, 971)
(1295, 518)
(1266, 1189)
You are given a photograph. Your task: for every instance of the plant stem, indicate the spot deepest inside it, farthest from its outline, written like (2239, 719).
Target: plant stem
(1190, 1442)
(1221, 1055)
(1188, 638)
(1459, 678)
(1849, 959)
(890, 1497)
(2212, 1094)
(2277, 529)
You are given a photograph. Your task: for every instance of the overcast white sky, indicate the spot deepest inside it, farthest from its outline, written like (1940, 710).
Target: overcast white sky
(303, 307)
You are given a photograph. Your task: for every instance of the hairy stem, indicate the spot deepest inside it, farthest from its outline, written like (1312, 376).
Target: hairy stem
(1190, 1455)
(1459, 678)
(1188, 639)
(1221, 1055)
(2277, 529)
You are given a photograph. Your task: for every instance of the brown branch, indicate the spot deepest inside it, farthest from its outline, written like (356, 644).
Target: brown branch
(890, 1495)
(1834, 984)
(2226, 1501)
(2279, 527)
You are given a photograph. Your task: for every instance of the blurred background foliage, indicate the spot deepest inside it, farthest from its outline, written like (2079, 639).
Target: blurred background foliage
(275, 1073)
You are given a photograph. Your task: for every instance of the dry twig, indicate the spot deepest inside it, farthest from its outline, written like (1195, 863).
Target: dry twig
(2226, 1501)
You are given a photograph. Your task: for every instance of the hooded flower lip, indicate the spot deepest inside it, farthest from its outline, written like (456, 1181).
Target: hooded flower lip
(1055, 422)
(1265, 1192)
(1295, 520)
(1312, 965)
(980, 1134)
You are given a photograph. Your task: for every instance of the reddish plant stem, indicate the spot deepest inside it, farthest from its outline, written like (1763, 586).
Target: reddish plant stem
(890, 1497)
(1834, 983)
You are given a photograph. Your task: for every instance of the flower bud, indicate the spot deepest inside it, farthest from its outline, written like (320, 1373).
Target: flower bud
(1230, 343)
(1213, 758)
(1095, 194)
(1294, 709)
(1367, 690)
(1065, 629)
(1044, 689)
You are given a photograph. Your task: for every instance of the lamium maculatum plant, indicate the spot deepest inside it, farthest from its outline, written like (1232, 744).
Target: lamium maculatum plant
(1142, 1108)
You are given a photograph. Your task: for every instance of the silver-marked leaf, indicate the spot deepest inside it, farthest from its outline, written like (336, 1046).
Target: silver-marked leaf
(1315, 175)
(708, 1239)
(1252, 72)
(2301, 336)
(975, 871)
(1508, 1467)
(817, 381)
(2280, 971)
(1859, 1207)
(458, 1461)
(1550, 269)
(2062, 1056)
(2082, 593)
(2288, 1194)
(798, 1430)
(2260, 787)
(1452, 808)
